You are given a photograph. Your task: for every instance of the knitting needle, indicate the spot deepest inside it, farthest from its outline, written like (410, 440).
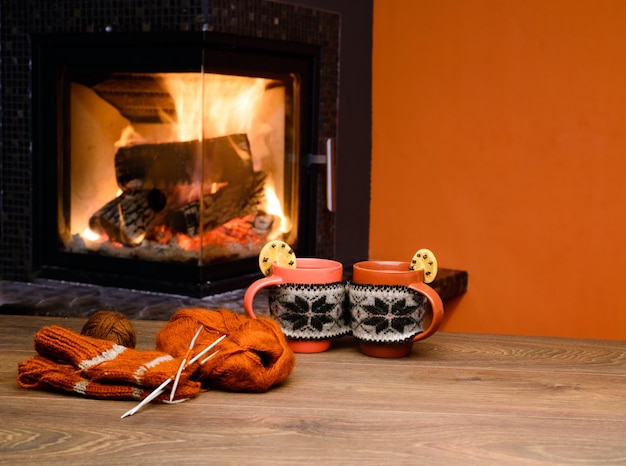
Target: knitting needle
(194, 359)
(161, 388)
(183, 362)
(209, 357)
(147, 399)
(205, 350)
(201, 362)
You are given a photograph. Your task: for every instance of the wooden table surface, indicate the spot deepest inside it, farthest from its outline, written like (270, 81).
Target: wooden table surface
(458, 399)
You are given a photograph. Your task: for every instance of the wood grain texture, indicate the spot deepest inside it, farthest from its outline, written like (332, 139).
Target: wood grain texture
(458, 399)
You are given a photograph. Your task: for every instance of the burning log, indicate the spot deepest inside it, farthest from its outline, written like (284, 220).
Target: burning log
(152, 175)
(127, 218)
(231, 201)
(224, 159)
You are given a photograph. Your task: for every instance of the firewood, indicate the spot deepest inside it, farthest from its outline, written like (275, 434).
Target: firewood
(231, 201)
(127, 218)
(225, 159)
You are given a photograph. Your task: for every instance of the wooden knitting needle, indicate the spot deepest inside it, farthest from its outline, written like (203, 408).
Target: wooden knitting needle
(184, 362)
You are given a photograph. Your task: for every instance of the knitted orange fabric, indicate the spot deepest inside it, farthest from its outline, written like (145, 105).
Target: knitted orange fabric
(79, 358)
(254, 357)
(42, 373)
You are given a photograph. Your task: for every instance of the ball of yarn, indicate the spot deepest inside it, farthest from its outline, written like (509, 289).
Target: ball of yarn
(112, 326)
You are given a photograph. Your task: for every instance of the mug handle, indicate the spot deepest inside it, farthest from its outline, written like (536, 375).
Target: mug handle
(248, 297)
(436, 305)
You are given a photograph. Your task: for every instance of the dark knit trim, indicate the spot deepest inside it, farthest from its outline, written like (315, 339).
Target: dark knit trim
(310, 311)
(384, 313)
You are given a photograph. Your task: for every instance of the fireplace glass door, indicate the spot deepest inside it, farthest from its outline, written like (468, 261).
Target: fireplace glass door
(183, 167)
(184, 155)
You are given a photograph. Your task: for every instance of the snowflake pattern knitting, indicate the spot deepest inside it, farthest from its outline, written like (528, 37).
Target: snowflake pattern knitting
(310, 311)
(385, 313)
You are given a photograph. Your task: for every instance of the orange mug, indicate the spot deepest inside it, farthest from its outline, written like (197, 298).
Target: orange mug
(387, 303)
(307, 301)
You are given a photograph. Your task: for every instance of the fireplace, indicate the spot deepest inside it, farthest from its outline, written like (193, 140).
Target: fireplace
(175, 169)
(125, 191)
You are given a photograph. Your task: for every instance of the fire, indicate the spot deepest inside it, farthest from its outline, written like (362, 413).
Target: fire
(208, 106)
(230, 103)
(273, 207)
(129, 136)
(90, 235)
(225, 104)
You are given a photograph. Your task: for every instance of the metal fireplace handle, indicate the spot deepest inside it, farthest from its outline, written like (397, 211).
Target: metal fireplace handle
(328, 159)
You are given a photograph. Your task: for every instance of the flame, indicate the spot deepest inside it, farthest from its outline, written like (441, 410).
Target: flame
(274, 207)
(186, 90)
(129, 137)
(230, 103)
(91, 239)
(91, 235)
(209, 106)
(229, 106)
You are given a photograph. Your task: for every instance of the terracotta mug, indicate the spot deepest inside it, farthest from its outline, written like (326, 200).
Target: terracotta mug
(307, 301)
(388, 304)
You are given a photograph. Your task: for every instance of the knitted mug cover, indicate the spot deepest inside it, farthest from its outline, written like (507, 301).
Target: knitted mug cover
(385, 313)
(310, 311)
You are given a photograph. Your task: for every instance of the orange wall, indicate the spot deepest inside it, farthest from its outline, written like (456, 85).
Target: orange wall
(499, 142)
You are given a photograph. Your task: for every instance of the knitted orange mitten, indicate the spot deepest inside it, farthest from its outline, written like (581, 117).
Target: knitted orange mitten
(254, 357)
(105, 362)
(41, 373)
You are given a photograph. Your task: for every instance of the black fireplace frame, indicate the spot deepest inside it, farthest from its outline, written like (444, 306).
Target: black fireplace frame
(54, 54)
